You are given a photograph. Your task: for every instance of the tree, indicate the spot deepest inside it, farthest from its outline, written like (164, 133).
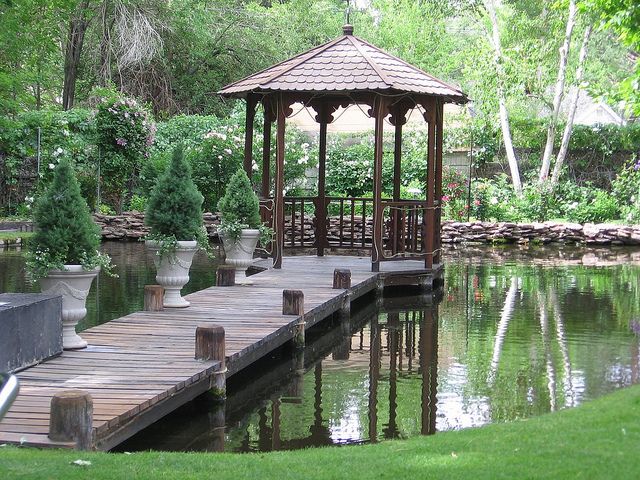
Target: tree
(502, 101)
(623, 17)
(558, 92)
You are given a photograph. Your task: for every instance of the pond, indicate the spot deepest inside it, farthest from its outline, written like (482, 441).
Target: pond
(515, 333)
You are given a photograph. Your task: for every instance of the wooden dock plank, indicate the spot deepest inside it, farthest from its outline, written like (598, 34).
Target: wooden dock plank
(141, 366)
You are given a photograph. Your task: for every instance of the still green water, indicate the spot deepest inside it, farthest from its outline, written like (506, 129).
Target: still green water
(514, 333)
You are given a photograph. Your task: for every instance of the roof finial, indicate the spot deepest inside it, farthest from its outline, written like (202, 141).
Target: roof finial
(347, 28)
(348, 12)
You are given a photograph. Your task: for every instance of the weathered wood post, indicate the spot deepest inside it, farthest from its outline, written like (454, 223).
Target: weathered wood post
(293, 304)
(71, 418)
(342, 278)
(153, 297)
(226, 276)
(210, 346)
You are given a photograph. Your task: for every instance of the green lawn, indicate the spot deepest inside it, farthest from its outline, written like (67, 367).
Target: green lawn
(14, 235)
(600, 439)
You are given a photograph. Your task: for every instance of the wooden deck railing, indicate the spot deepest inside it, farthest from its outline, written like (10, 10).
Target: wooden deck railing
(349, 225)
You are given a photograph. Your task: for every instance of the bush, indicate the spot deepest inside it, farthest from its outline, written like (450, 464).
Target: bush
(600, 207)
(175, 206)
(239, 203)
(65, 233)
(124, 133)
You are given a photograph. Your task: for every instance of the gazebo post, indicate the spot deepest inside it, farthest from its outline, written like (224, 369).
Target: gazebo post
(439, 117)
(398, 121)
(379, 110)
(266, 147)
(397, 152)
(321, 210)
(429, 217)
(279, 193)
(248, 134)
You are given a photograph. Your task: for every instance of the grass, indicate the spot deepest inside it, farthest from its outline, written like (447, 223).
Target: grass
(14, 235)
(600, 439)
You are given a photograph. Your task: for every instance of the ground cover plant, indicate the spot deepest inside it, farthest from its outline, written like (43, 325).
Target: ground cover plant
(595, 440)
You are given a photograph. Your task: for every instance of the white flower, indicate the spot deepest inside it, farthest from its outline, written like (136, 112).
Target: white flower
(494, 201)
(227, 151)
(51, 166)
(219, 157)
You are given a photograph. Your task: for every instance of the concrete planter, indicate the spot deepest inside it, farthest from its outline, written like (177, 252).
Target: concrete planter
(239, 253)
(73, 284)
(173, 271)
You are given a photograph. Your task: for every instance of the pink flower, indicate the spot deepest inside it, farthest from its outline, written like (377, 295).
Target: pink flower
(445, 198)
(121, 141)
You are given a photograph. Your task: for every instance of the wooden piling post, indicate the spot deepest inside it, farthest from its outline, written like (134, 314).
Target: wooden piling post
(380, 287)
(153, 298)
(226, 276)
(342, 278)
(71, 418)
(293, 304)
(210, 345)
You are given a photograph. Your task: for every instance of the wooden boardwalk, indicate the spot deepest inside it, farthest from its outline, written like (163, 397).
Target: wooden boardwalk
(140, 367)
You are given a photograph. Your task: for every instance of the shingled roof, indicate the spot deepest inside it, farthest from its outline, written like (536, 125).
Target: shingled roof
(345, 65)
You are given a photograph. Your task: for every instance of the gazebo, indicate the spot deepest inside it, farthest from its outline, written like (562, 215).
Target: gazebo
(343, 72)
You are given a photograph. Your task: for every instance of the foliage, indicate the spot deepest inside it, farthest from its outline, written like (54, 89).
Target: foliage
(454, 195)
(66, 233)
(124, 132)
(240, 208)
(54, 135)
(626, 191)
(175, 206)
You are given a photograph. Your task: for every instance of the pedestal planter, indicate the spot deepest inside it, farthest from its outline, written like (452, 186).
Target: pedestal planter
(173, 271)
(239, 252)
(73, 284)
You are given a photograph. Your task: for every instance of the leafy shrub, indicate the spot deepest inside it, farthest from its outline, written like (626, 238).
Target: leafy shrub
(626, 191)
(66, 233)
(138, 203)
(454, 195)
(124, 133)
(601, 207)
(175, 206)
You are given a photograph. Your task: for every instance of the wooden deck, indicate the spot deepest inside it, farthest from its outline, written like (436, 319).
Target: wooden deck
(140, 367)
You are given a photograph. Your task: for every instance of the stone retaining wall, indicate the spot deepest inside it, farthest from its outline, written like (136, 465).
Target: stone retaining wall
(542, 233)
(131, 226)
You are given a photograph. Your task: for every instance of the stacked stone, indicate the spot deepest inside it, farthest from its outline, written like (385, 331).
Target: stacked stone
(130, 225)
(542, 233)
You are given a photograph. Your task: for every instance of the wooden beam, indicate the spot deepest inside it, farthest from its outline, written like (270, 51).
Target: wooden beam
(437, 241)
(269, 118)
(248, 134)
(377, 250)
(429, 216)
(321, 210)
(279, 188)
(153, 298)
(71, 418)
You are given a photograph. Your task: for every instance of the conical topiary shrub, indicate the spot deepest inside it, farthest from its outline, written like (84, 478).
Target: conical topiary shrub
(65, 231)
(63, 253)
(239, 207)
(175, 205)
(240, 226)
(174, 215)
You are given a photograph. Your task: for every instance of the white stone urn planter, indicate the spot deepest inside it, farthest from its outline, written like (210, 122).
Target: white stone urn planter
(239, 252)
(172, 270)
(73, 284)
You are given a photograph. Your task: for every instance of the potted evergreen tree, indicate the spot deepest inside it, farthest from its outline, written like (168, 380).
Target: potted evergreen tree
(174, 216)
(240, 225)
(63, 253)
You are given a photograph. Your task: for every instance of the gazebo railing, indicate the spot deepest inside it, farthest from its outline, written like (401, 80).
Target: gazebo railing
(349, 225)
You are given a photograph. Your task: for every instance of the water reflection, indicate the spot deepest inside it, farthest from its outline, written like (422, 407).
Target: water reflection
(514, 336)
